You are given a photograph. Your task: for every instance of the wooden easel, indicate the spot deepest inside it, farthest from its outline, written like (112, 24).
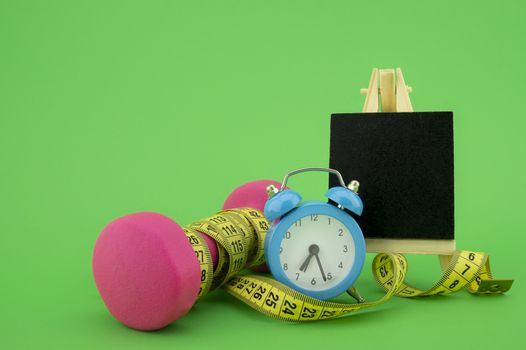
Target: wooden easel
(388, 92)
(394, 92)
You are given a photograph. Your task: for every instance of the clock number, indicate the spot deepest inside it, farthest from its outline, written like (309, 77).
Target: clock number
(341, 265)
(314, 217)
(340, 232)
(313, 281)
(297, 275)
(329, 220)
(287, 235)
(345, 249)
(280, 250)
(285, 266)
(329, 276)
(298, 223)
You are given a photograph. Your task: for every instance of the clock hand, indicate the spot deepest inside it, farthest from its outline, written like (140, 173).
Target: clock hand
(321, 268)
(313, 250)
(305, 264)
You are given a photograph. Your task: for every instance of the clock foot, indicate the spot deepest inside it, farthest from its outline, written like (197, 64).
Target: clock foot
(354, 293)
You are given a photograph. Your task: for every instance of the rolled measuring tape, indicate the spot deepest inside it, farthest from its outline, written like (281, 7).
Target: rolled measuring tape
(150, 271)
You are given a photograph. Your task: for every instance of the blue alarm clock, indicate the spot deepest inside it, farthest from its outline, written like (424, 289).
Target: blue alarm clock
(314, 247)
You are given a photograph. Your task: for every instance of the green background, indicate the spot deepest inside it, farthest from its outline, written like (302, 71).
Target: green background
(113, 107)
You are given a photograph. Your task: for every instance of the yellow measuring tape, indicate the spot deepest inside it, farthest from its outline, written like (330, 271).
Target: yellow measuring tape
(240, 236)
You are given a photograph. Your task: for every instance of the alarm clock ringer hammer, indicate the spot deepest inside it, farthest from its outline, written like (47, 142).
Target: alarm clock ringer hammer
(314, 247)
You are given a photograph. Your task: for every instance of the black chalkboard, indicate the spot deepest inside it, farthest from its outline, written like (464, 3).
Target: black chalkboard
(404, 163)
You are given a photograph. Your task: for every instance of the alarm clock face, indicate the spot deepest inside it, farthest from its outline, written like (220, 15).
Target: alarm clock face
(317, 252)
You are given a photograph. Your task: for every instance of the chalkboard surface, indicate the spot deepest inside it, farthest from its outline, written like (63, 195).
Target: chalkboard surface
(404, 163)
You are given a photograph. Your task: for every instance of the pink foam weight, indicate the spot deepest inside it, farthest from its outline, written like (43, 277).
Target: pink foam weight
(212, 246)
(252, 194)
(146, 270)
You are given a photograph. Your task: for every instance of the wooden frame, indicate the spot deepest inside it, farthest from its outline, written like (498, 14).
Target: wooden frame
(388, 92)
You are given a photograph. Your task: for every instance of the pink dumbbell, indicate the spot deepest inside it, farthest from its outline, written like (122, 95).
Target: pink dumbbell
(146, 270)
